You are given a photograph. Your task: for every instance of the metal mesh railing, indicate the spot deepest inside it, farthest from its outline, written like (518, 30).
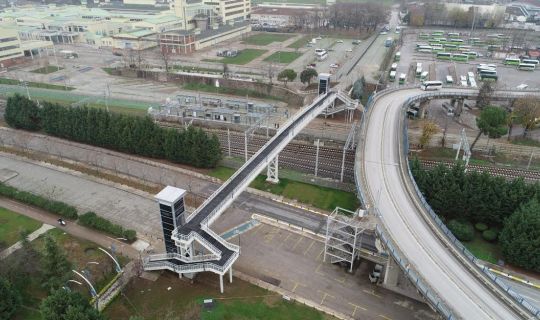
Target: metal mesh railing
(460, 248)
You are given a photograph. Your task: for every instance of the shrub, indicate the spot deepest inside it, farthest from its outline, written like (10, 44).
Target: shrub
(92, 220)
(490, 235)
(464, 231)
(481, 227)
(52, 206)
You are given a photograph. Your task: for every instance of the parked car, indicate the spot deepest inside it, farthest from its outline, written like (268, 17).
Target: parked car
(334, 65)
(349, 50)
(339, 41)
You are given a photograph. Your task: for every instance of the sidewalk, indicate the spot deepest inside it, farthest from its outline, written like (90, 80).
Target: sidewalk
(31, 237)
(71, 228)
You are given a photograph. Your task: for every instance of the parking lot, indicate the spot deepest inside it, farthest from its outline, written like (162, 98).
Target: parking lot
(509, 76)
(295, 263)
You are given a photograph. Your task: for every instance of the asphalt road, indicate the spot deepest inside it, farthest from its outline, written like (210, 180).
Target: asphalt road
(461, 290)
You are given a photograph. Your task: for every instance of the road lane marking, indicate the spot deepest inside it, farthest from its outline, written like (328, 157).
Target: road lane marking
(311, 245)
(385, 317)
(356, 307)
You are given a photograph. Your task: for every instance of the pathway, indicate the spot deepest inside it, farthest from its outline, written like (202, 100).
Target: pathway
(31, 237)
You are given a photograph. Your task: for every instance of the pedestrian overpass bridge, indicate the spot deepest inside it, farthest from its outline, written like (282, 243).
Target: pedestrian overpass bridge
(444, 273)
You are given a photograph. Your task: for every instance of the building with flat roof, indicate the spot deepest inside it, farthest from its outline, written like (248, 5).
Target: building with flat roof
(13, 50)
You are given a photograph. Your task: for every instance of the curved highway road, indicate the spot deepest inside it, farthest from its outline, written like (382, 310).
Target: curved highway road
(400, 208)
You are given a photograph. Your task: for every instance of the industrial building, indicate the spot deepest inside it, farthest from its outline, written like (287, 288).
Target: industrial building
(187, 25)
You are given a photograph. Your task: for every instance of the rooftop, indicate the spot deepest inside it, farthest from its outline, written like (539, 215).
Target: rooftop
(169, 194)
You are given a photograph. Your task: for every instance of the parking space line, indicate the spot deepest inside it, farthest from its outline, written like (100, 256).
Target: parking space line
(297, 242)
(341, 280)
(296, 284)
(356, 307)
(309, 247)
(320, 254)
(325, 295)
(285, 240)
(317, 270)
(385, 317)
(256, 229)
(372, 293)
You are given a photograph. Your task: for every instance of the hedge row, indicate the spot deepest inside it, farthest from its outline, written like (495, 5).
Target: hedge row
(92, 220)
(53, 206)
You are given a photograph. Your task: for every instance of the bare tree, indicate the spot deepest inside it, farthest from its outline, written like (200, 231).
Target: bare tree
(527, 110)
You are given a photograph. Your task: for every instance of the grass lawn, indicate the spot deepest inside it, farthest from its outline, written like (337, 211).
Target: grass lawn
(11, 224)
(263, 39)
(245, 56)
(283, 57)
(232, 91)
(320, 197)
(300, 43)
(171, 298)
(36, 84)
(526, 142)
(482, 249)
(47, 69)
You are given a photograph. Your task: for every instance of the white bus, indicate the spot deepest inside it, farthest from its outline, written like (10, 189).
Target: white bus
(470, 76)
(512, 61)
(418, 69)
(453, 34)
(431, 85)
(530, 61)
(392, 77)
(527, 66)
(322, 55)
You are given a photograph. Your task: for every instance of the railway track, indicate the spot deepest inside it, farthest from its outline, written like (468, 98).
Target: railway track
(297, 155)
(507, 173)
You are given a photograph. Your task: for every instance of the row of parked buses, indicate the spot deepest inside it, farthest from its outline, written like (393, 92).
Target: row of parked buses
(522, 64)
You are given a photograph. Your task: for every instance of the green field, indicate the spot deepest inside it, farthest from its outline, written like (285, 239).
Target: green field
(283, 57)
(245, 56)
(12, 224)
(484, 250)
(320, 197)
(35, 84)
(300, 43)
(47, 69)
(171, 298)
(65, 98)
(263, 39)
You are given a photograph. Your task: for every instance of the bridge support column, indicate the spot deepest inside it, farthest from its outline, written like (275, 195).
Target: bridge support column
(221, 283)
(459, 107)
(272, 171)
(230, 274)
(423, 106)
(391, 273)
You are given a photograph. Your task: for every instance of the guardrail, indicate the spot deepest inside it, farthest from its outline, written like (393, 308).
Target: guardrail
(460, 248)
(430, 295)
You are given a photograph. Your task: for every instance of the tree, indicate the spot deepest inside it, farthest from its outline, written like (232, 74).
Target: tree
(308, 74)
(358, 89)
(22, 113)
(287, 75)
(484, 95)
(164, 54)
(527, 110)
(520, 236)
(56, 267)
(10, 299)
(491, 122)
(65, 305)
(428, 130)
